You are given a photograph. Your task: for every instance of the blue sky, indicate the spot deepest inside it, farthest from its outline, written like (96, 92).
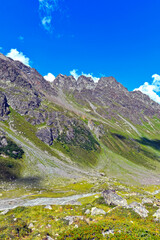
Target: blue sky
(111, 38)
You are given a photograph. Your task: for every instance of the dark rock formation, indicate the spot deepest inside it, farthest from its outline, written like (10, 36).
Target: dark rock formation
(4, 107)
(45, 135)
(67, 131)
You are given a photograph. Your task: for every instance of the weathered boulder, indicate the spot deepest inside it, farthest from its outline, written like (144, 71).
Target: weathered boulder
(3, 141)
(139, 209)
(147, 200)
(97, 211)
(157, 214)
(87, 211)
(111, 198)
(72, 219)
(45, 135)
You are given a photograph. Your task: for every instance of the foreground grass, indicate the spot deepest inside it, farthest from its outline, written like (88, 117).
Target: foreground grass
(40, 222)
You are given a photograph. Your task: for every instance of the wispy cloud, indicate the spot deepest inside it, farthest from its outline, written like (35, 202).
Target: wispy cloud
(21, 38)
(76, 75)
(46, 9)
(16, 55)
(49, 77)
(151, 89)
(1, 48)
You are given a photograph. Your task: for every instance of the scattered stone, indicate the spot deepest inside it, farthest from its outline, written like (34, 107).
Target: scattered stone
(48, 207)
(147, 200)
(157, 214)
(139, 209)
(31, 225)
(108, 232)
(49, 238)
(97, 211)
(4, 212)
(48, 226)
(87, 211)
(102, 174)
(111, 198)
(157, 203)
(72, 219)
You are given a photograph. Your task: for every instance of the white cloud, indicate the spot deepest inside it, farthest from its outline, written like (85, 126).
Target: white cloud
(151, 89)
(46, 21)
(49, 77)
(21, 38)
(46, 9)
(16, 55)
(76, 75)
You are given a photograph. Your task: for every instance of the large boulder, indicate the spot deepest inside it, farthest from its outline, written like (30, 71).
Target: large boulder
(97, 211)
(157, 214)
(111, 198)
(147, 201)
(139, 209)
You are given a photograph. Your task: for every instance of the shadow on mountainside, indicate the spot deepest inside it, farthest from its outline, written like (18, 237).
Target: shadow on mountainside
(29, 181)
(151, 143)
(10, 171)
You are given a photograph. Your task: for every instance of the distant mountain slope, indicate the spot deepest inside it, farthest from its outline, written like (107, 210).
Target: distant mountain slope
(74, 129)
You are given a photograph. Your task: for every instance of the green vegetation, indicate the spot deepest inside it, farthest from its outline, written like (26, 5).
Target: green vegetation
(12, 150)
(38, 222)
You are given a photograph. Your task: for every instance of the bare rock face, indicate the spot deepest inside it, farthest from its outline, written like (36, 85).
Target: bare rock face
(85, 83)
(45, 135)
(4, 107)
(65, 82)
(67, 131)
(24, 87)
(111, 198)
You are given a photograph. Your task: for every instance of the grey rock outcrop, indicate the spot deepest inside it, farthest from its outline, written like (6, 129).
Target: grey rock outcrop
(4, 107)
(97, 211)
(147, 201)
(84, 82)
(139, 209)
(65, 82)
(156, 215)
(111, 198)
(67, 131)
(45, 135)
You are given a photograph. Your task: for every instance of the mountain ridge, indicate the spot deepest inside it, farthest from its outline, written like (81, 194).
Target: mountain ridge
(94, 126)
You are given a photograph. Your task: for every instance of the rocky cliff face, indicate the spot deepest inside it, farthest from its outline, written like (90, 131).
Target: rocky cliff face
(113, 99)
(22, 86)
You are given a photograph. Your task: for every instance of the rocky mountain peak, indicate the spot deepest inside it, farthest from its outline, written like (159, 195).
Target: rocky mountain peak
(84, 82)
(65, 82)
(110, 82)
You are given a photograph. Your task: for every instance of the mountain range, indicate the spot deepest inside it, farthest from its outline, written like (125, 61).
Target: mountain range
(72, 129)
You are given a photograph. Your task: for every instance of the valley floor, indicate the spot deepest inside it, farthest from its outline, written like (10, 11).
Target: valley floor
(78, 211)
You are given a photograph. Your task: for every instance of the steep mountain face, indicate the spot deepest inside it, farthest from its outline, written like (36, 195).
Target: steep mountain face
(72, 128)
(114, 100)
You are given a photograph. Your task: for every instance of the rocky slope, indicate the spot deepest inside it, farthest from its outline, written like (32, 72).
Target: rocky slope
(71, 128)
